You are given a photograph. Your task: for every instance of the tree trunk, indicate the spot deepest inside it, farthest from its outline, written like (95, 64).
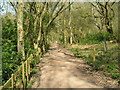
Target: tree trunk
(105, 44)
(108, 24)
(39, 34)
(20, 31)
(64, 31)
(35, 24)
(71, 34)
(64, 38)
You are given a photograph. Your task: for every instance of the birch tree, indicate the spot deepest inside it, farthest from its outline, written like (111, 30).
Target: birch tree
(71, 34)
(20, 31)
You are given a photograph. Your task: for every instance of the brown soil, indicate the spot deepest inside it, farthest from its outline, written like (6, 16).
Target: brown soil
(60, 69)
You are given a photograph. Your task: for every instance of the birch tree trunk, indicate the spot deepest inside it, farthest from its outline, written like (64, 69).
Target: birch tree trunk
(40, 34)
(65, 40)
(20, 31)
(71, 34)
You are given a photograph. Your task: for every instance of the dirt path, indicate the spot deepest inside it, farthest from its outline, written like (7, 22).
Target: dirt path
(60, 69)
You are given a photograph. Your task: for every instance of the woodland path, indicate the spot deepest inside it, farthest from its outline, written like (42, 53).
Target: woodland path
(60, 69)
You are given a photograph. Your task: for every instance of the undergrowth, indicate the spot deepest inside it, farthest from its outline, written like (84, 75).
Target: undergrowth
(105, 61)
(96, 38)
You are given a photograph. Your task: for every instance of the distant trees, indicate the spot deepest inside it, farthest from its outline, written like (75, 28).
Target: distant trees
(105, 14)
(75, 22)
(84, 19)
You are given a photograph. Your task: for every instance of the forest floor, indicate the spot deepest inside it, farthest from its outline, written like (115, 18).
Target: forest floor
(59, 68)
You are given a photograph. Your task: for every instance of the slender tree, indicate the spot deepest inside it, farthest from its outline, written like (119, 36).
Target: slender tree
(71, 34)
(20, 31)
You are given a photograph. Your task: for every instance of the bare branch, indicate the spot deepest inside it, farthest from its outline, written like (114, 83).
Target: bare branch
(13, 6)
(54, 8)
(96, 8)
(59, 11)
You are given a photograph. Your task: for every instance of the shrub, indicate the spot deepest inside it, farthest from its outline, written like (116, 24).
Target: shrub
(97, 38)
(9, 48)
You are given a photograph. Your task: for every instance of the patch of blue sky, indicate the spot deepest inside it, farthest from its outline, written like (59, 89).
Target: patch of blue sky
(6, 7)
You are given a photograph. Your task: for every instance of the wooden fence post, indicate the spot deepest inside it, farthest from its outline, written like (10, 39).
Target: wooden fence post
(26, 71)
(23, 69)
(94, 50)
(12, 81)
(23, 76)
(28, 68)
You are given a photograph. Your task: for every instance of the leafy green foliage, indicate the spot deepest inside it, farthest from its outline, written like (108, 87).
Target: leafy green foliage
(96, 38)
(9, 48)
